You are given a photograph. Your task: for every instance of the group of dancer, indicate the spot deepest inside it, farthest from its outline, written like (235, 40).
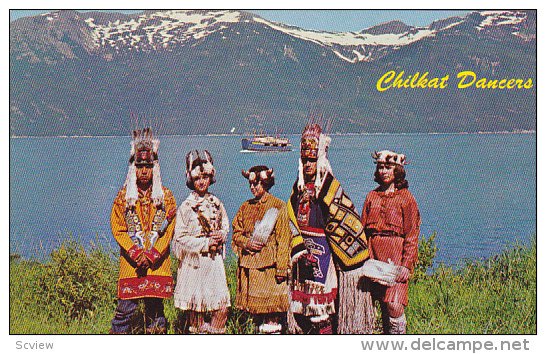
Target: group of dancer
(312, 265)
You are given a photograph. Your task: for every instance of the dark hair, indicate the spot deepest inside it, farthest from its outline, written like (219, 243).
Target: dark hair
(400, 181)
(266, 183)
(190, 183)
(196, 158)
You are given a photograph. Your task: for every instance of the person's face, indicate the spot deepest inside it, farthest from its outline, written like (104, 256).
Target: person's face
(257, 189)
(386, 173)
(144, 174)
(309, 167)
(201, 183)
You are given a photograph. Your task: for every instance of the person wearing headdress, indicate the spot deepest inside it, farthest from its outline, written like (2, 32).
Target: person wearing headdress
(141, 222)
(202, 226)
(327, 236)
(261, 240)
(391, 221)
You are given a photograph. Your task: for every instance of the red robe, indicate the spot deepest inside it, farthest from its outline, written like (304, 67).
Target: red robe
(396, 214)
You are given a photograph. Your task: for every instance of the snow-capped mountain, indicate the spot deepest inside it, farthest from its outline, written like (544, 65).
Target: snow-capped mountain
(166, 30)
(190, 64)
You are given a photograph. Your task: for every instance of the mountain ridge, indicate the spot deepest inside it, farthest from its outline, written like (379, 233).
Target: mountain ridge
(187, 66)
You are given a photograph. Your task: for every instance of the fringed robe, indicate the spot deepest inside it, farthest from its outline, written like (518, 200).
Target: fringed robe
(257, 290)
(201, 279)
(347, 241)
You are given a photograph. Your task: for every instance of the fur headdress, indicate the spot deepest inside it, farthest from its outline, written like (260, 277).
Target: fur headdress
(198, 162)
(144, 148)
(389, 157)
(314, 145)
(260, 173)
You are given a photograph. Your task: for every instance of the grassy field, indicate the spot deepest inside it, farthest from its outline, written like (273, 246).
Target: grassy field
(74, 292)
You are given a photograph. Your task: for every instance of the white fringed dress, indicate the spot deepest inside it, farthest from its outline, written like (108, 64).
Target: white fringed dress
(201, 281)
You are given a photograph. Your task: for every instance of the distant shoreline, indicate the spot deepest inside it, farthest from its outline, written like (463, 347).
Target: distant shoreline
(295, 134)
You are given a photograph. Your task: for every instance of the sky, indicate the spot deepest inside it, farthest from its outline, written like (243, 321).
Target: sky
(327, 20)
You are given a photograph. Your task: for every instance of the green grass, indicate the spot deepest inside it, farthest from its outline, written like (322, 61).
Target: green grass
(497, 295)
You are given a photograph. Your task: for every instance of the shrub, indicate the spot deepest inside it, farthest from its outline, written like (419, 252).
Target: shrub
(426, 254)
(76, 282)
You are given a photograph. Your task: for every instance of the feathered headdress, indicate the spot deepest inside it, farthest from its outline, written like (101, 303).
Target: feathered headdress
(314, 145)
(198, 162)
(144, 148)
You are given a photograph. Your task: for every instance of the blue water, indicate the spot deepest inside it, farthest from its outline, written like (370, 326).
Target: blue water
(478, 192)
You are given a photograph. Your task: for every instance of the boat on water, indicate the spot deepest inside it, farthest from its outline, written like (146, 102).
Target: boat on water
(266, 143)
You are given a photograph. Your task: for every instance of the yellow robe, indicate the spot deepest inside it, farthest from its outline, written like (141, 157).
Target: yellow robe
(257, 290)
(157, 280)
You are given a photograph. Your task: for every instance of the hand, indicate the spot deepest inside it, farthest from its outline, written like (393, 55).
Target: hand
(254, 246)
(171, 214)
(142, 261)
(403, 274)
(218, 236)
(212, 242)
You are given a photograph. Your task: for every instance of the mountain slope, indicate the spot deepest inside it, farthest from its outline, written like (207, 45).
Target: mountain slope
(197, 72)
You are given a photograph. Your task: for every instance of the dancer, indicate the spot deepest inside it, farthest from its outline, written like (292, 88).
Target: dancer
(391, 221)
(327, 235)
(141, 224)
(261, 240)
(202, 226)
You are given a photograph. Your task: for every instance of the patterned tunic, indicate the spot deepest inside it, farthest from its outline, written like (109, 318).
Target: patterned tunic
(157, 280)
(314, 287)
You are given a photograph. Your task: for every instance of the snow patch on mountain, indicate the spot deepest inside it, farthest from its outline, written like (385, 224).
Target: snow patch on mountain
(500, 18)
(348, 38)
(161, 28)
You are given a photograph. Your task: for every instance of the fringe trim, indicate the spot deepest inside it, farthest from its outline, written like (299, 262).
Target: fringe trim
(296, 306)
(291, 323)
(356, 310)
(312, 309)
(201, 306)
